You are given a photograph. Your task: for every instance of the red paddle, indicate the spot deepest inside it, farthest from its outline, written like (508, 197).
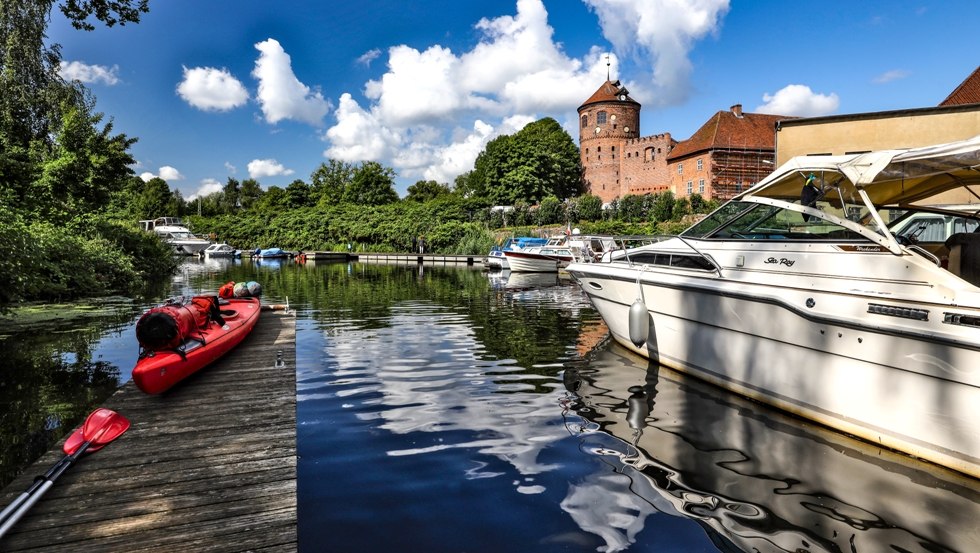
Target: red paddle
(101, 427)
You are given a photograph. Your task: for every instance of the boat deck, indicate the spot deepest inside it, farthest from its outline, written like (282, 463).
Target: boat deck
(209, 465)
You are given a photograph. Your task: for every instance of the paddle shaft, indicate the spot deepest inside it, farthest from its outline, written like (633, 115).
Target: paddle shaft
(41, 486)
(38, 481)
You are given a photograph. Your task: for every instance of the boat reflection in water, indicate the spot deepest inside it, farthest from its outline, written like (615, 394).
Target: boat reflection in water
(755, 479)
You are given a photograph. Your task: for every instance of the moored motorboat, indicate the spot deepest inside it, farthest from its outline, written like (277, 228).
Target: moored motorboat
(182, 337)
(221, 250)
(496, 260)
(799, 294)
(173, 231)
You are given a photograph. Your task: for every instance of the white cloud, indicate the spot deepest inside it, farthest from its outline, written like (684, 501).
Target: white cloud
(358, 135)
(663, 31)
(166, 173)
(281, 95)
(258, 168)
(367, 57)
(208, 187)
(211, 89)
(799, 100)
(231, 168)
(89, 74)
(889, 76)
(433, 109)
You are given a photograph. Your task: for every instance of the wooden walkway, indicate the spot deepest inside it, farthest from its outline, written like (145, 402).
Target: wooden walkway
(397, 258)
(208, 466)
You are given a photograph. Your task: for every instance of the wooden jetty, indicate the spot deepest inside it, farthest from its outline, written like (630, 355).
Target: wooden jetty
(208, 466)
(396, 258)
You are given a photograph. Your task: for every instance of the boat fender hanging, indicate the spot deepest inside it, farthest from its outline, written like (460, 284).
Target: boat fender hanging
(639, 323)
(639, 318)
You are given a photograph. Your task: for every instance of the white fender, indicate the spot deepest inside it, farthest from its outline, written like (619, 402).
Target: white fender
(639, 323)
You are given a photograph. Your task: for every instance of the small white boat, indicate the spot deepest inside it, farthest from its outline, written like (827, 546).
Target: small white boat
(559, 252)
(808, 292)
(221, 250)
(496, 260)
(172, 231)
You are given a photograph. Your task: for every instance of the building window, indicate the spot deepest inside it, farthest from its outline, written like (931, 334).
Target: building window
(614, 148)
(600, 118)
(585, 121)
(598, 149)
(700, 185)
(700, 165)
(648, 154)
(680, 168)
(690, 187)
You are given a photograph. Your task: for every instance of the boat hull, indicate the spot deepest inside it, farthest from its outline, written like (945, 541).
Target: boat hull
(158, 371)
(529, 262)
(913, 392)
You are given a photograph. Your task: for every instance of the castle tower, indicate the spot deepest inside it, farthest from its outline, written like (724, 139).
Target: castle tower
(606, 121)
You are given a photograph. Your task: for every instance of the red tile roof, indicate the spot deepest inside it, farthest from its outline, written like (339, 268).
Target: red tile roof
(609, 92)
(967, 93)
(731, 129)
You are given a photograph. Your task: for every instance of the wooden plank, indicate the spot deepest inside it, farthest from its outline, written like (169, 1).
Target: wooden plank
(208, 465)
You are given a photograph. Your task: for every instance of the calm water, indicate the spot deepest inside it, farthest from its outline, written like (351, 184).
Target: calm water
(442, 409)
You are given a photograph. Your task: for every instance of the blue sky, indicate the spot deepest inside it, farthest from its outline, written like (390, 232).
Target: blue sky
(270, 90)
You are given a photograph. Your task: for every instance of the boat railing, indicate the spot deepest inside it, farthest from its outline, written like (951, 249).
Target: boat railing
(625, 243)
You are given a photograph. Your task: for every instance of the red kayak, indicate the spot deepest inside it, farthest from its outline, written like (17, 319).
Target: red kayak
(180, 338)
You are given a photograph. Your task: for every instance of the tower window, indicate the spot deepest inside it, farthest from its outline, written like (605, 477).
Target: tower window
(700, 165)
(585, 121)
(600, 118)
(648, 154)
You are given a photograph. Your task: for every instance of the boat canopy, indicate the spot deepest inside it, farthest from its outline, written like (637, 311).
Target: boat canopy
(887, 177)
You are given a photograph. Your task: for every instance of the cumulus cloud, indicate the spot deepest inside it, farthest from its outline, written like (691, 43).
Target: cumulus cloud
(281, 95)
(664, 31)
(211, 89)
(166, 173)
(207, 187)
(359, 135)
(798, 100)
(231, 168)
(258, 168)
(89, 74)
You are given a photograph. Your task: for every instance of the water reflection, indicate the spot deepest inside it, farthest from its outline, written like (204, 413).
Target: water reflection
(756, 480)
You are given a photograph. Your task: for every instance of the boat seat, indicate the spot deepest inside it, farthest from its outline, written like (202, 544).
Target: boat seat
(964, 256)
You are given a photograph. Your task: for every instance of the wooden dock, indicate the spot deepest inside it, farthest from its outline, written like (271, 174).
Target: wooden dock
(396, 258)
(208, 466)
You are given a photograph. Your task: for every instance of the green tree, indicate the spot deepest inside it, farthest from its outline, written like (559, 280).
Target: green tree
(550, 211)
(298, 194)
(425, 190)
(538, 161)
(590, 207)
(663, 207)
(329, 181)
(273, 200)
(372, 184)
(33, 93)
(155, 200)
(231, 196)
(249, 193)
(466, 186)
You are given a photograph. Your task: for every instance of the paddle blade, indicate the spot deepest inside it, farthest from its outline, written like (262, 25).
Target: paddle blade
(100, 428)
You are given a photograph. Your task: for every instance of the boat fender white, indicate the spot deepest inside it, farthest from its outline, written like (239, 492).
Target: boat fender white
(639, 323)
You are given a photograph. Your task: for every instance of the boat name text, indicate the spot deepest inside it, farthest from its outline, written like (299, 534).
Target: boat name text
(781, 261)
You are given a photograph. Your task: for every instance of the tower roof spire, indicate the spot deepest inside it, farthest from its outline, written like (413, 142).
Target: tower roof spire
(607, 67)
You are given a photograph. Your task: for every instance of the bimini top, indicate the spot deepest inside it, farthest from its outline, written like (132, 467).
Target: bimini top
(887, 177)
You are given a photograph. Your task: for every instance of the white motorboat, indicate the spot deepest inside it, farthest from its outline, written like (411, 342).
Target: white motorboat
(172, 231)
(221, 250)
(798, 294)
(558, 253)
(496, 261)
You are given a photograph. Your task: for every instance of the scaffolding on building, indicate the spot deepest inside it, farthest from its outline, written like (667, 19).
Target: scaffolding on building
(735, 170)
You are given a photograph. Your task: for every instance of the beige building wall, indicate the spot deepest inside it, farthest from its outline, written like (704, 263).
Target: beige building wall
(875, 131)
